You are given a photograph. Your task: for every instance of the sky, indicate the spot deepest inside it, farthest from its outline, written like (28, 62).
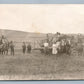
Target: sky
(43, 18)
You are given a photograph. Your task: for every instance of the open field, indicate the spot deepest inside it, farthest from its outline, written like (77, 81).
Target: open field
(37, 66)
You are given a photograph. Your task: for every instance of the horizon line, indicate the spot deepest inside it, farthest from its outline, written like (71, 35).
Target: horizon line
(40, 32)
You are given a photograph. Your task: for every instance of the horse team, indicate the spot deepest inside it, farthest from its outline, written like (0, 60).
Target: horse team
(4, 48)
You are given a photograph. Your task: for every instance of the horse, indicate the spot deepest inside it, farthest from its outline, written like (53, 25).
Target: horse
(1, 46)
(4, 48)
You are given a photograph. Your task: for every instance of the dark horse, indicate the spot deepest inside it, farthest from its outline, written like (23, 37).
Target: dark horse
(4, 48)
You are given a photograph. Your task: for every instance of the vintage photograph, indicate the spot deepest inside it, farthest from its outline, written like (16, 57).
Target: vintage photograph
(41, 41)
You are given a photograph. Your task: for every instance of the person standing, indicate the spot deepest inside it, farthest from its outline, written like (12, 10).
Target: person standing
(56, 47)
(24, 47)
(58, 43)
(62, 46)
(46, 45)
(29, 48)
(54, 50)
(12, 48)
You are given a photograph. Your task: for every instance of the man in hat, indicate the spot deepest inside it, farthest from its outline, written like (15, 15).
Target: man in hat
(29, 48)
(24, 47)
(12, 48)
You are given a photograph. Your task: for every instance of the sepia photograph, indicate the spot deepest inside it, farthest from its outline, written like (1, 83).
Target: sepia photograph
(41, 41)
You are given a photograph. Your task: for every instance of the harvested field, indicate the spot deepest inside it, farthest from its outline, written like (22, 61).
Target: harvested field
(37, 66)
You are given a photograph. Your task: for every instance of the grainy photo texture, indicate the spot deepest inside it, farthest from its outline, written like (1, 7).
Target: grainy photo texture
(41, 41)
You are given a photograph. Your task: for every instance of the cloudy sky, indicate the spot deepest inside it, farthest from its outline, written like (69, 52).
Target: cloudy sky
(45, 18)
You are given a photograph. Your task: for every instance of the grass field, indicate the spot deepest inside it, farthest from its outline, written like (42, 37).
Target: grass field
(37, 66)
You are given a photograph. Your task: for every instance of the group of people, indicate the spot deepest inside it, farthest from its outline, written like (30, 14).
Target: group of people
(57, 46)
(60, 46)
(6, 47)
(26, 48)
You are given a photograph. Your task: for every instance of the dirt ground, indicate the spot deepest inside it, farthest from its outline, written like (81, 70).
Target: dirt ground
(37, 66)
